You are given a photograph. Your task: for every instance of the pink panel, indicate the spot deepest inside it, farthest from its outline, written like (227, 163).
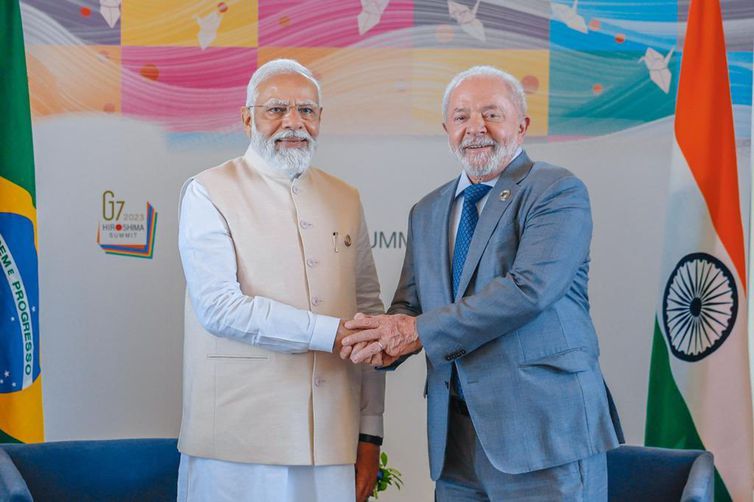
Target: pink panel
(325, 23)
(186, 88)
(191, 66)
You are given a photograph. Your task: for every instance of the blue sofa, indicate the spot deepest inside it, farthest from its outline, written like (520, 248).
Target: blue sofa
(637, 473)
(102, 470)
(147, 470)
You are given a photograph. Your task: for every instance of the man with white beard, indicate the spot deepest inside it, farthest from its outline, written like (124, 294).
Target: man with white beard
(494, 290)
(276, 253)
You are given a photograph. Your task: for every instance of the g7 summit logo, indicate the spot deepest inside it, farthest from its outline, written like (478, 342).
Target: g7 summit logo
(125, 233)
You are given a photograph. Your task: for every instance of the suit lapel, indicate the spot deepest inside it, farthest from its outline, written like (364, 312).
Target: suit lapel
(494, 208)
(442, 221)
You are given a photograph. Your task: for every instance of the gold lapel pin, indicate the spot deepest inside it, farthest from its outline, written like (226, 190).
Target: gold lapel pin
(505, 195)
(347, 240)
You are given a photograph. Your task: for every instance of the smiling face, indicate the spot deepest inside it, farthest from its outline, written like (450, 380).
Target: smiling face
(285, 123)
(485, 127)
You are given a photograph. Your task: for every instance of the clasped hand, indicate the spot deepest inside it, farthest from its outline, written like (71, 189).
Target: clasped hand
(378, 340)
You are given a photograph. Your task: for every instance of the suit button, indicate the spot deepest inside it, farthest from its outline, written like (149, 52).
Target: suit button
(449, 357)
(305, 224)
(295, 189)
(312, 262)
(316, 300)
(318, 381)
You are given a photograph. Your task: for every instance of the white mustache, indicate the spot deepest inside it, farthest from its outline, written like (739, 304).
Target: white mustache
(480, 142)
(292, 135)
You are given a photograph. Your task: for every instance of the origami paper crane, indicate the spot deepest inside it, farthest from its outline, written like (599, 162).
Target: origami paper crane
(467, 19)
(569, 16)
(371, 13)
(110, 10)
(208, 26)
(657, 64)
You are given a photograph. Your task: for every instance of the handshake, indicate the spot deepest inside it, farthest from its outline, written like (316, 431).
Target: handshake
(377, 340)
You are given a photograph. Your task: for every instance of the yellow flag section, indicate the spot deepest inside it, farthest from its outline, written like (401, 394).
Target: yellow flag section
(20, 380)
(700, 391)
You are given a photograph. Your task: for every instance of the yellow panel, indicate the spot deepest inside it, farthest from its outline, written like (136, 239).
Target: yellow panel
(434, 68)
(229, 23)
(70, 78)
(365, 91)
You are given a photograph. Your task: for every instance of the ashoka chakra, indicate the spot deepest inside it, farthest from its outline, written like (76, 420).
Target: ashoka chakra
(699, 306)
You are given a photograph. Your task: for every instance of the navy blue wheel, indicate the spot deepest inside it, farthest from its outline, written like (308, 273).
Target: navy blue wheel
(699, 306)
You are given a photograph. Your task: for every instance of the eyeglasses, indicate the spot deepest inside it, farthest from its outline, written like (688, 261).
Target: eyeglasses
(277, 111)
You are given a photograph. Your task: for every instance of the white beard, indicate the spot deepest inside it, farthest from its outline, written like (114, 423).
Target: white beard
(291, 161)
(501, 155)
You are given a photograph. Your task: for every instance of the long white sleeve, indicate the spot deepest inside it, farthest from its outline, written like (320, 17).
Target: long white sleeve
(368, 301)
(209, 264)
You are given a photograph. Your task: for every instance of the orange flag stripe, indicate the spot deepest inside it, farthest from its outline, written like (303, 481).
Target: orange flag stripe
(704, 125)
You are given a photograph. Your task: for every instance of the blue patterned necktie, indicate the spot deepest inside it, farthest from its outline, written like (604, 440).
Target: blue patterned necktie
(469, 217)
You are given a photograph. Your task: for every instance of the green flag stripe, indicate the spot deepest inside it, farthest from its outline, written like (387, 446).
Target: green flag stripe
(7, 438)
(669, 422)
(16, 152)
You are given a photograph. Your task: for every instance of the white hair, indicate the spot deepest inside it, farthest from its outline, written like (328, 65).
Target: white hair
(517, 90)
(277, 67)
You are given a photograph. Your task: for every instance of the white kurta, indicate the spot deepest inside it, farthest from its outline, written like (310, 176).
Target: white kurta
(204, 479)
(210, 268)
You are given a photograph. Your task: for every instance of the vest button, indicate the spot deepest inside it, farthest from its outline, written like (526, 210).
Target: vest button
(295, 189)
(305, 224)
(318, 381)
(316, 301)
(312, 262)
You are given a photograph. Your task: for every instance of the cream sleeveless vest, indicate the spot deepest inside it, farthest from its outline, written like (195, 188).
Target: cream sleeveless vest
(294, 243)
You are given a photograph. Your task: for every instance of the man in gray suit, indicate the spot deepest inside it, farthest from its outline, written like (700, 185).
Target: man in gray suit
(494, 289)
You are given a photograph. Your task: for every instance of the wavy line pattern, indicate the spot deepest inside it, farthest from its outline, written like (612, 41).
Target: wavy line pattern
(184, 64)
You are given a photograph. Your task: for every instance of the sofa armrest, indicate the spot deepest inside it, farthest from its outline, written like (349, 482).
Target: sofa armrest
(700, 486)
(12, 486)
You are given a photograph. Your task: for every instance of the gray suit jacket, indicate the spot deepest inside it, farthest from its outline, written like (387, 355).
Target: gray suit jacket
(519, 329)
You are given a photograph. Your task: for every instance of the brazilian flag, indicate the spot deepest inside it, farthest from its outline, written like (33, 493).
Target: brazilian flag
(20, 378)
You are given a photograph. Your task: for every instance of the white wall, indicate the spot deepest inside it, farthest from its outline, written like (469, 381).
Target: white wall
(111, 326)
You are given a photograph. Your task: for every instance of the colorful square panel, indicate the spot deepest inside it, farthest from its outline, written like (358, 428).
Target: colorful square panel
(602, 92)
(190, 23)
(187, 89)
(475, 24)
(73, 23)
(67, 78)
(365, 90)
(612, 26)
(333, 23)
(215, 67)
(434, 69)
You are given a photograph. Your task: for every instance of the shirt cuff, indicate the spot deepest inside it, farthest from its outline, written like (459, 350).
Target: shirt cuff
(371, 425)
(323, 336)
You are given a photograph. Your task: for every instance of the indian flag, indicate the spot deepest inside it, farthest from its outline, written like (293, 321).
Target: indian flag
(699, 385)
(20, 382)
